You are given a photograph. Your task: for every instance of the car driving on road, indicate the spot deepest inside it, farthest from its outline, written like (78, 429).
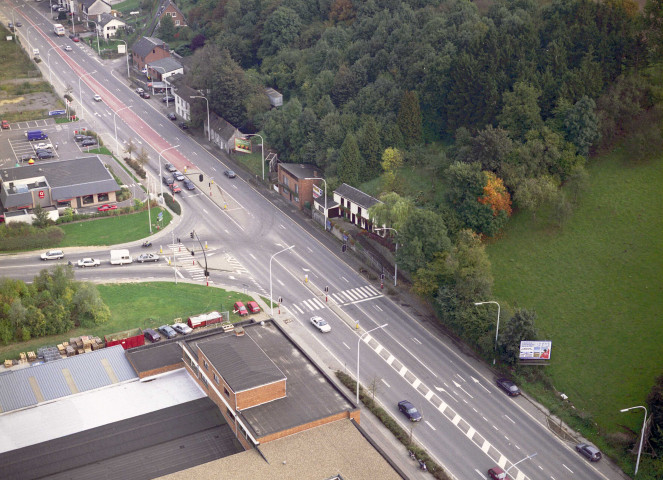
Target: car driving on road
(178, 176)
(170, 167)
(89, 262)
(496, 473)
(409, 411)
(320, 324)
(188, 184)
(97, 98)
(229, 174)
(147, 257)
(52, 255)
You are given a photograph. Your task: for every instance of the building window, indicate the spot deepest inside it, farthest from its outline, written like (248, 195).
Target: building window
(102, 197)
(88, 199)
(206, 365)
(216, 378)
(285, 180)
(177, 23)
(203, 379)
(226, 392)
(296, 188)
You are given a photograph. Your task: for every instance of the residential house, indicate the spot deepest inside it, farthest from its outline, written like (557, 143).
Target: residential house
(296, 181)
(183, 99)
(92, 9)
(223, 133)
(159, 70)
(148, 49)
(108, 25)
(175, 13)
(354, 205)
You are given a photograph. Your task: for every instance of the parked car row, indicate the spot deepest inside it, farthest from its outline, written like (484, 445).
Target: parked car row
(241, 310)
(171, 331)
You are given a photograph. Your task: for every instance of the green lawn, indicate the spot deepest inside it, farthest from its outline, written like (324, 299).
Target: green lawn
(144, 305)
(597, 287)
(112, 230)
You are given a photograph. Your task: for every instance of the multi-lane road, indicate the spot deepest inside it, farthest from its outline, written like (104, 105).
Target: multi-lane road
(468, 424)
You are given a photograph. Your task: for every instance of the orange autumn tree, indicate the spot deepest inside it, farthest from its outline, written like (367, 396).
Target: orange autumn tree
(496, 195)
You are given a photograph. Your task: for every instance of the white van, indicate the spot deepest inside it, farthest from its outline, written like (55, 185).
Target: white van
(35, 52)
(120, 257)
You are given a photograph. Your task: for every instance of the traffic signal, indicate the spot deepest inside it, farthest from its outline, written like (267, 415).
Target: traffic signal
(191, 234)
(200, 177)
(193, 253)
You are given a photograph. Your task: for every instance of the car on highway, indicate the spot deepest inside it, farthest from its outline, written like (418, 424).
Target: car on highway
(589, 451)
(139, 91)
(5, 124)
(53, 255)
(189, 185)
(170, 167)
(320, 324)
(97, 98)
(89, 262)
(182, 328)
(168, 181)
(229, 174)
(88, 142)
(409, 411)
(171, 116)
(240, 309)
(508, 386)
(151, 335)
(175, 188)
(67, 48)
(168, 98)
(107, 207)
(253, 307)
(496, 473)
(167, 331)
(178, 176)
(75, 39)
(147, 257)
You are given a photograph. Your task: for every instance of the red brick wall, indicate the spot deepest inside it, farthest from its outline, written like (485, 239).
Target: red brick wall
(300, 428)
(264, 394)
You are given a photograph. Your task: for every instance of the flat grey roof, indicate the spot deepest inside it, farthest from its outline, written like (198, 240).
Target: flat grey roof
(240, 361)
(142, 447)
(301, 170)
(41, 383)
(154, 356)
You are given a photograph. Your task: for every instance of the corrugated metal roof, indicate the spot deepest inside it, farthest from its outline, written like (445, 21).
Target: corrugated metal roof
(40, 383)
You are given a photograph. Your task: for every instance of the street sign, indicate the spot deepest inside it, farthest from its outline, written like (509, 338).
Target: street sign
(56, 112)
(160, 216)
(317, 191)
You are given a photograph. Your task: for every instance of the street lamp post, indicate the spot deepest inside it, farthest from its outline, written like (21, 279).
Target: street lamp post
(96, 27)
(117, 144)
(209, 127)
(160, 177)
(317, 178)
(395, 253)
(498, 324)
(642, 433)
(262, 148)
(271, 301)
(358, 345)
(526, 458)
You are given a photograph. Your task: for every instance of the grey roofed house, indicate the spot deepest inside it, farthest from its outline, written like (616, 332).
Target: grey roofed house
(223, 132)
(165, 65)
(301, 170)
(356, 196)
(42, 383)
(66, 179)
(145, 45)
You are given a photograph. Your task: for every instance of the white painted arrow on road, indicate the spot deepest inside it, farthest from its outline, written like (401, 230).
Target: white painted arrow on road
(478, 382)
(458, 386)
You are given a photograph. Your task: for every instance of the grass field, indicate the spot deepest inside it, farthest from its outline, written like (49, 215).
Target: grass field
(14, 63)
(112, 230)
(144, 305)
(597, 287)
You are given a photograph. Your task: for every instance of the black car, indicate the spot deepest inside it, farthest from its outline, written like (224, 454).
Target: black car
(409, 411)
(183, 125)
(19, 24)
(168, 181)
(88, 142)
(168, 98)
(79, 137)
(44, 154)
(170, 167)
(589, 451)
(508, 386)
(171, 116)
(229, 174)
(188, 184)
(145, 95)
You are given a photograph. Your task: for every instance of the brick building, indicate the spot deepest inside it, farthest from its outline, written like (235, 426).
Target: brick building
(295, 182)
(148, 49)
(175, 13)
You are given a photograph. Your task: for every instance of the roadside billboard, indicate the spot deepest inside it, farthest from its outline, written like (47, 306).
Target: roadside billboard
(535, 349)
(317, 191)
(242, 145)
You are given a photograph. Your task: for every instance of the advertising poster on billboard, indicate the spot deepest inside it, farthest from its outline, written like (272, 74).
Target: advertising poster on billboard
(242, 145)
(535, 349)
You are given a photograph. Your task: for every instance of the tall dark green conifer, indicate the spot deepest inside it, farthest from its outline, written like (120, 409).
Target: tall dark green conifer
(349, 161)
(409, 118)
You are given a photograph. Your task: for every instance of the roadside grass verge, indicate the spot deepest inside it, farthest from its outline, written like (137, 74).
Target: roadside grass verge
(144, 305)
(596, 286)
(14, 63)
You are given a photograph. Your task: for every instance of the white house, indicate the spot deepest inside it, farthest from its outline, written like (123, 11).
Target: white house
(354, 205)
(108, 25)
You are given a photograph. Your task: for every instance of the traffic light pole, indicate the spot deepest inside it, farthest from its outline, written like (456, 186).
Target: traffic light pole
(193, 232)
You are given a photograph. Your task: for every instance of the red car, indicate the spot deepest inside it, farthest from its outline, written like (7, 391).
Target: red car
(496, 473)
(240, 309)
(175, 188)
(105, 208)
(5, 124)
(75, 39)
(253, 307)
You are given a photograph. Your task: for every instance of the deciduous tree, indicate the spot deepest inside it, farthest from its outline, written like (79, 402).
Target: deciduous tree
(521, 326)
(521, 112)
(392, 211)
(392, 161)
(422, 235)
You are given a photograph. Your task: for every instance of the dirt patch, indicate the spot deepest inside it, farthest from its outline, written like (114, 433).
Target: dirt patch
(32, 105)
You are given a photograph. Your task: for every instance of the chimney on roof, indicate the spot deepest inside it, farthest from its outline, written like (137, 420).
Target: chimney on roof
(239, 331)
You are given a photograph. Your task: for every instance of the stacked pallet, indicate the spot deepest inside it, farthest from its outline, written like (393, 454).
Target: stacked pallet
(9, 363)
(32, 356)
(69, 351)
(97, 343)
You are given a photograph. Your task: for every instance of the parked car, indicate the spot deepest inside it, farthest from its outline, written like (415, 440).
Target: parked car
(145, 95)
(67, 48)
(253, 307)
(43, 146)
(508, 386)
(19, 24)
(175, 188)
(79, 137)
(106, 208)
(170, 167)
(168, 98)
(496, 473)
(44, 154)
(320, 324)
(5, 124)
(140, 91)
(89, 262)
(589, 451)
(182, 328)
(178, 176)
(240, 309)
(151, 335)
(75, 38)
(189, 185)
(409, 411)
(167, 331)
(88, 142)
(53, 255)
(97, 98)
(171, 116)
(229, 174)
(147, 257)
(184, 125)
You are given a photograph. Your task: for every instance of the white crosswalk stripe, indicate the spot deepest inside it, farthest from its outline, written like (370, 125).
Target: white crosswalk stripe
(360, 293)
(345, 297)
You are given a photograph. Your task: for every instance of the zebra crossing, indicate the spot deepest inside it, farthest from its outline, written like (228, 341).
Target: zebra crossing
(239, 269)
(344, 297)
(182, 258)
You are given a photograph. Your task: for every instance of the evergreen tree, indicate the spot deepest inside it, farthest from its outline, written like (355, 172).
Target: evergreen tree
(349, 161)
(370, 148)
(409, 119)
(167, 28)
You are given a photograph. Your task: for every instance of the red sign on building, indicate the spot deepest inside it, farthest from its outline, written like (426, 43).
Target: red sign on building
(41, 194)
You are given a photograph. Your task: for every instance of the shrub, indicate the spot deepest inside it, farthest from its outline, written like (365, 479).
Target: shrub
(140, 171)
(22, 236)
(172, 204)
